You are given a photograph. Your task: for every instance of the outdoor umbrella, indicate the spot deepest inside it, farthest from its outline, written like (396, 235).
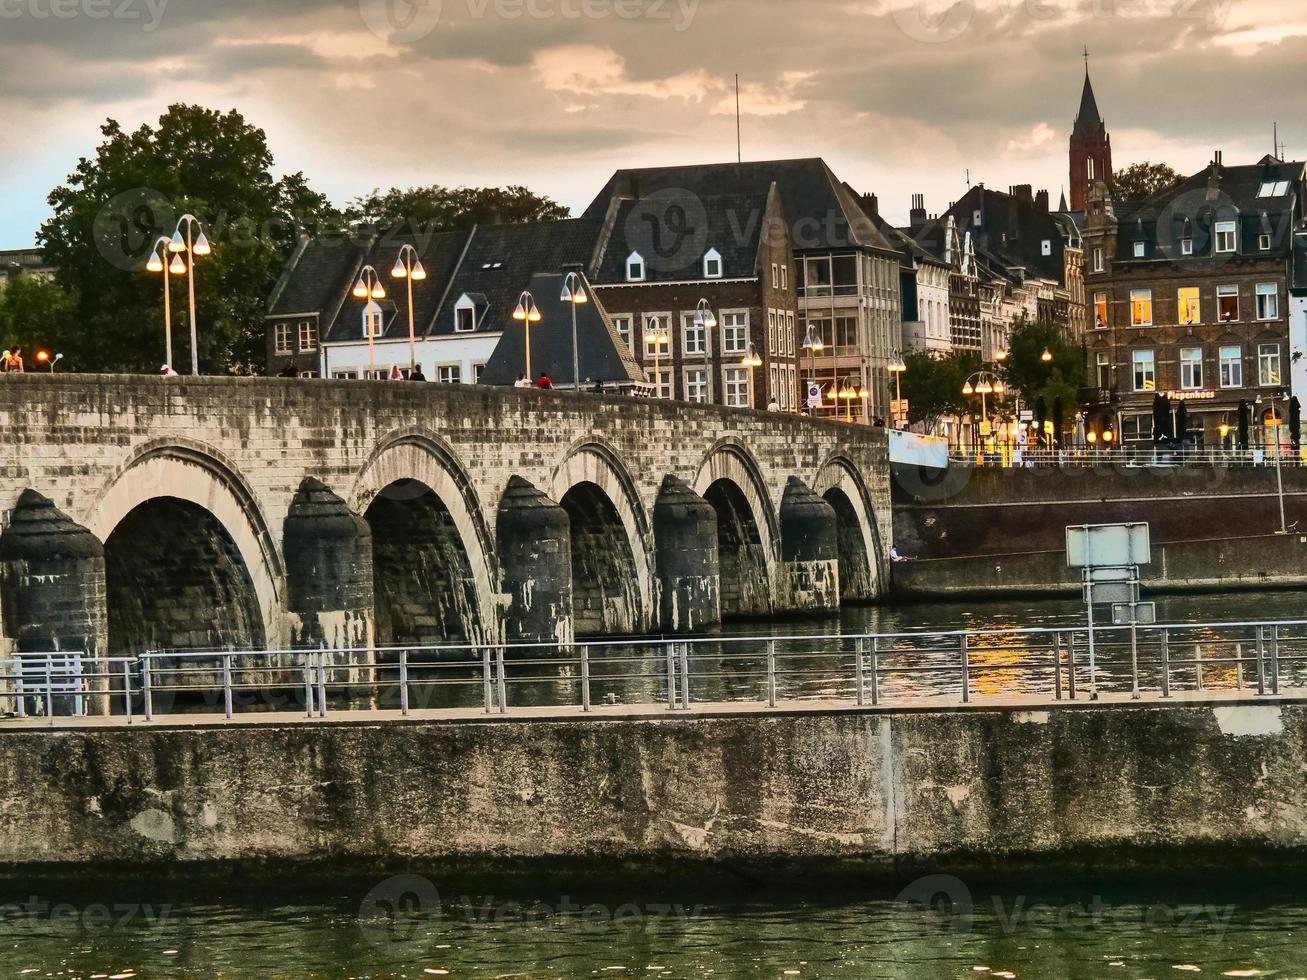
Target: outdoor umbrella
(1160, 413)
(1041, 413)
(1080, 430)
(1182, 423)
(1295, 421)
(1057, 422)
(1243, 424)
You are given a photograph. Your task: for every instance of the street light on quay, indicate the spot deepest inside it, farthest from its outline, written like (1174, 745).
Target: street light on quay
(526, 314)
(814, 345)
(158, 263)
(984, 384)
(896, 367)
(409, 268)
(847, 391)
(751, 361)
(574, 295)
(196, 243)
(654, 334)
(369, 288)
(44, 357)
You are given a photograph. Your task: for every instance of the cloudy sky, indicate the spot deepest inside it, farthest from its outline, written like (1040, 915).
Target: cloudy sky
(900, 96)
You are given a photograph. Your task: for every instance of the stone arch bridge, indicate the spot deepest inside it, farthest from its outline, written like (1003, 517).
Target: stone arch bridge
(218, 513)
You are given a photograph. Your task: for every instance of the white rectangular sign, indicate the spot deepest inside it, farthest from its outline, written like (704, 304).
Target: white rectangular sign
(917, 450)
(1096, 545)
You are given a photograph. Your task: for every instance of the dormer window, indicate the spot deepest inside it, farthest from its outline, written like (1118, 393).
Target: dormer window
(465, 314)
(1046, 247)
(1225, 235)
(1264, 242)
(1186, 246)
(712, 264)
(635, 267)
(371, 320)
(1140, 250)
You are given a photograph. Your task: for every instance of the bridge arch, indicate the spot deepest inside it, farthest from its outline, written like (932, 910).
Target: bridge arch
(748, 533)
(431, 547)
(861, 556)
(612, 589)
(184, 534)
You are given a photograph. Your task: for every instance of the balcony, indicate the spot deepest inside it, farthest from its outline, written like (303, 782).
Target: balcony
(1098, 396)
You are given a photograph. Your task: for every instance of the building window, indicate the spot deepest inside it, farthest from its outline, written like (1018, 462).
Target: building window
(281, 338)
(735, 333)
(694, 339)
(1140, 249)
(657, 325)
(1274, 188)
(735, 386)
(1268, 364)
(1268, 301)
(308, 338)
(622, 324)
(1141, 307)
(465, 319)
(789, 334)
(1225, 236)
(1189, 306)
(1264, 242)
(1186, 246)
(1046, 247)
(449, 374)
(1191, 368)
(785, 278)
(1089, 168)
(1231, 367)
(775, 276)
(372, 321)
(345, 375)
(696, 386)
(1100, 311)
(308, 374)
(635, 268)
(1145, 370)
(712, 264)
(1227, 304)
(1103, 366)
(1100, 259)
(477, 371)
(772, 349)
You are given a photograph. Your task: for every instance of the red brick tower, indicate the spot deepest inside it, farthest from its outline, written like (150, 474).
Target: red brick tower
(1091, 147)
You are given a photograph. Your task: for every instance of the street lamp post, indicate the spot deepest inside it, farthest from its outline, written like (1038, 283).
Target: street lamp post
(574, 295)
(409, 268)
(369, 288)
(983, 383)
(526, 314)
(159, 263)
(199, 245)
(1279, 474)
(813, 344)
(705, 319)
(897, 367)
(845, 389)
(751, 361)
(656, 335)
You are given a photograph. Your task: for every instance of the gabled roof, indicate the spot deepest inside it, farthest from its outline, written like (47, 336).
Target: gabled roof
(1013, 231)
(819, 210)
(1087, 119)
(600, 352)
(316, 274)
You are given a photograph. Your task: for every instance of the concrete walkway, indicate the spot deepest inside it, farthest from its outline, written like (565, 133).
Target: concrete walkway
(1017, 703)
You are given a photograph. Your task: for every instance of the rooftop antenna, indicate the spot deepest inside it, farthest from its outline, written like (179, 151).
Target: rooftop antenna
(739, 145)
(1086, 59)
(968, 176)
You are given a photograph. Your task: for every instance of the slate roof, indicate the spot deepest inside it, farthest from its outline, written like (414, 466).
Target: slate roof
(1087, 118)
(730, 223)
(1013, 230)
(601, 354)
(1215, 193)
(315, 275)
(821, 212)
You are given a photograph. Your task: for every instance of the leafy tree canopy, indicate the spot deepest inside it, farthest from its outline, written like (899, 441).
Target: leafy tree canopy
(1029, 375)
(933, 384)
(436, 208)
(1140, 181)
(37, 313)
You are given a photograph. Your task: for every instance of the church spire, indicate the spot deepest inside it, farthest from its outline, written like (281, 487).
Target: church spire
(1087, 118)
(1091, 146)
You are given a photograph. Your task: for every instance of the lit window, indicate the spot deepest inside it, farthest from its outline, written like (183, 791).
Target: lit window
(1140, 249)
(1141, 307)
(735, 333)
(1100, 311)
(1189, 306)
(1145, 370)
(1191, 368)
(281, 338)
(635, 268)
(449, 374)
(1225, 236)
(1268, 301)
(1231, 367)
(696, 385)
(1268, 364)
(1227, 304)
(712, 264)
(735, 386)
(308, 336)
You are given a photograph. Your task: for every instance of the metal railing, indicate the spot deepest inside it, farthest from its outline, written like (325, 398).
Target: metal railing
(1130, 455)
(873, 669)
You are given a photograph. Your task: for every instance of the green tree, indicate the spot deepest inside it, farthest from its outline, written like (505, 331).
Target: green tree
(114, 206)
(1140, 181)
(37, 313)
(436, 208)
(1027, 373)
(932, 384)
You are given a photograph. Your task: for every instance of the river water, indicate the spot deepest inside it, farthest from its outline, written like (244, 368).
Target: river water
(565, 925)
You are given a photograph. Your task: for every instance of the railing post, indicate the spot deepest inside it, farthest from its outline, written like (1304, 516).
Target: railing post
(1071, 666)
(49, 689)
(685, 675)
(671, 676)
(875, 670)
(20, 697)
(147, 686)
(1261, 660)
(771, 673)
(1238, 665)
(857, 666)
(308, 684)
(1275, 659)
(1166, 663)
(966, 670)
(403, 681)
(226, 684)
(501, 683)
(127, 688)
(487, 679)
(1198, 663)
(1134, 660)
(585, 678)
(1057, 666)
(322, 684)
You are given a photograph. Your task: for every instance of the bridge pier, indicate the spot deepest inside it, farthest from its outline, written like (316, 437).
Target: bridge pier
(810, 572)
(52, 587)
(689, 573)
(534, 546)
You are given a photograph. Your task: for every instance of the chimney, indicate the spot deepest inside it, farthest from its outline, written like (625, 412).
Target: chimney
(1022, 192)
(1217, 159)
(871, 204)
(1041, 202)
(917, 216)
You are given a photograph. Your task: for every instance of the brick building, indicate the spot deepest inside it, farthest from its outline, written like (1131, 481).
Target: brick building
(1090, 147)
(1189, 297)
